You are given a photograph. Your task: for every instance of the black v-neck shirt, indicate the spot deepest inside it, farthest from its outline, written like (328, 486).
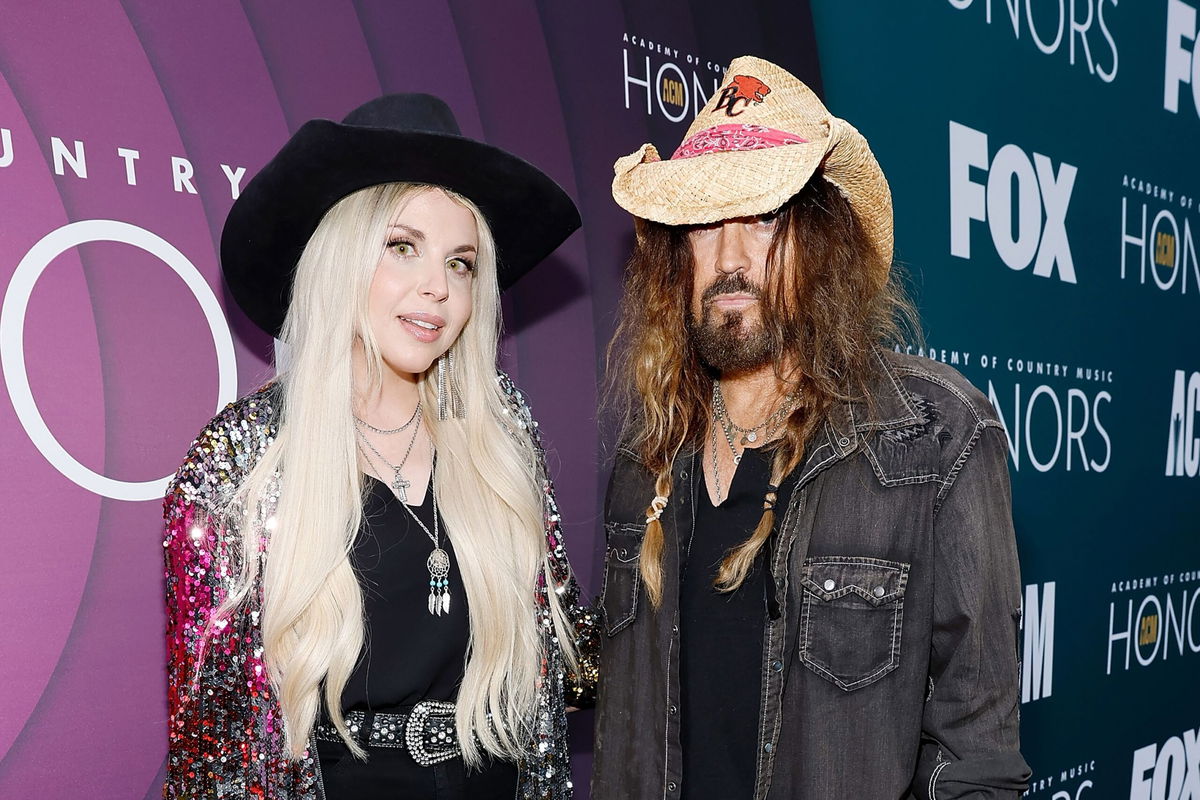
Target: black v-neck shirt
(721, 640)
(410, 655)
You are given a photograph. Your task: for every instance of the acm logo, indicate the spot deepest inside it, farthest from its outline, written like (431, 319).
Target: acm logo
(1037, 661)
(1042, 198)
(1170, 772)
(1182, 64)
(674, 92)
(1183, 444)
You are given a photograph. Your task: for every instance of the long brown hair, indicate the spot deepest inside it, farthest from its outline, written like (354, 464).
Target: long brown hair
(827, 309)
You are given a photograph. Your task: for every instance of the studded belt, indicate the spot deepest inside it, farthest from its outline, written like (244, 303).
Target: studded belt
(427, 732)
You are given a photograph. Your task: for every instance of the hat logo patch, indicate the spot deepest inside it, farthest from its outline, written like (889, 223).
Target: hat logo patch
(744, 89)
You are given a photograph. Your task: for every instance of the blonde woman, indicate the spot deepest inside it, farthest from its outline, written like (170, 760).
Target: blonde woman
(367, 591)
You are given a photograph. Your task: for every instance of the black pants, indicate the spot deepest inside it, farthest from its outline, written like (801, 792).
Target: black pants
(390, 773)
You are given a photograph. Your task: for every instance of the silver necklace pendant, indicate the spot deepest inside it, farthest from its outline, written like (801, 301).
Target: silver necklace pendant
(750, 437)
(439, 584)
(400, 486)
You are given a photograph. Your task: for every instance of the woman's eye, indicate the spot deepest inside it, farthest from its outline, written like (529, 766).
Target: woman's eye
(402, 248)
(461, 266)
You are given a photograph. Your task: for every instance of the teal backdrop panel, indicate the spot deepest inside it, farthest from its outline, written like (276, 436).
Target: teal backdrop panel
(1043, 161)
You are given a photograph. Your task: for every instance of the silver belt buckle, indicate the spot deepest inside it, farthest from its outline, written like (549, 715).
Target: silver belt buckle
(429, 732)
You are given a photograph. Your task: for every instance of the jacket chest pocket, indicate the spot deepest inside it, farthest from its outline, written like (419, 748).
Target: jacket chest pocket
(622, 580)
(851, 616)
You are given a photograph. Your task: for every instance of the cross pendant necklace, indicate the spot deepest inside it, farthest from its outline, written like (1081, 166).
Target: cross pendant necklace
(400, 486)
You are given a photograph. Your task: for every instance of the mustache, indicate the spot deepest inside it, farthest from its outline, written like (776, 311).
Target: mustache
(731, 284)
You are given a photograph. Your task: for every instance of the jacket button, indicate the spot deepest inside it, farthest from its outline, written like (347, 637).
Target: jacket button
(777, 666)
(768, 747)
(829, 584)
(843, 441)
(683, 475)
(674, 709)
(879, 591)
(672, 786)
(674, 629)
(623, 553)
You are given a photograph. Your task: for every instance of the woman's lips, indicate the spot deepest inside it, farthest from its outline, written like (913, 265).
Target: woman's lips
(422, 327)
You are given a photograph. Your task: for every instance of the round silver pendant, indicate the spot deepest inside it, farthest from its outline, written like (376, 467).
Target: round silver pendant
(438, 563)
(751, 437)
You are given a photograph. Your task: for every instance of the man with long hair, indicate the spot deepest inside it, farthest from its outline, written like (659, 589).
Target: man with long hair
(811, 582)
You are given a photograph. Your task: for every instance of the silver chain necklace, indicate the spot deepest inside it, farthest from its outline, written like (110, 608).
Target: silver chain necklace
(749, 435)
(438, 562)
(398, 485)
(720, 416)
(737, 458)
(389, 431)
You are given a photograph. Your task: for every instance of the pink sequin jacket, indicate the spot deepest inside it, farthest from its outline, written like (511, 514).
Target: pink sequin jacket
(225, 728)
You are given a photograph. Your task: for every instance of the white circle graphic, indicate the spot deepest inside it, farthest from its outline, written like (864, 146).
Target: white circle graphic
(12, 342)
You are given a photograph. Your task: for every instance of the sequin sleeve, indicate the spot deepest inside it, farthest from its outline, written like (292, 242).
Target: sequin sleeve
(579, 683)
(224, 737)
(196, 552)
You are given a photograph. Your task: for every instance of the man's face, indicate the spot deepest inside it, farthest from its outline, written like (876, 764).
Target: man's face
(730, 270)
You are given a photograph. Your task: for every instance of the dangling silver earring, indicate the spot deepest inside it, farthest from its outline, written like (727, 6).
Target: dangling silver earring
(441, 386)
(449, 398)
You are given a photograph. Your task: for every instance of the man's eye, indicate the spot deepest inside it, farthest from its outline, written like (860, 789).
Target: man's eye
(402, 248)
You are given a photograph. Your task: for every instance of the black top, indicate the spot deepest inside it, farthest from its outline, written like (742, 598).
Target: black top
(721, 640)
(410, 655)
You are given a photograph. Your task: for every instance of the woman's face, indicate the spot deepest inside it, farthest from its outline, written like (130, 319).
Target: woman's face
(420, 296)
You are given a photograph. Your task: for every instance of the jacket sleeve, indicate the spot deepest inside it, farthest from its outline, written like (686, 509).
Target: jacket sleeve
(580, 681)
(205, 725)
(970, 745)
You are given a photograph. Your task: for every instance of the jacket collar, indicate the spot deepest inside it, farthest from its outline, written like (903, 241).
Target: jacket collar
(889, 407)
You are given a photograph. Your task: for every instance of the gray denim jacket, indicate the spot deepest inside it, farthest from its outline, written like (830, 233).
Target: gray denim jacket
(890, 669)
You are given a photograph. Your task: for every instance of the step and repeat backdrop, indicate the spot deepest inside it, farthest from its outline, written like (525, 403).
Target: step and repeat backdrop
(1043, 158)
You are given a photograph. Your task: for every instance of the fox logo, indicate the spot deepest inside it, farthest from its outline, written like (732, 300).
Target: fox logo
(742, 89)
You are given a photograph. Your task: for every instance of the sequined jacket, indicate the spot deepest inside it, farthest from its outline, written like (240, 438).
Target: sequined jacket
(225, 728)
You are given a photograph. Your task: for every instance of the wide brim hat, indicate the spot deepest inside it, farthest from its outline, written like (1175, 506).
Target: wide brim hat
(755, 144)
(411, 138)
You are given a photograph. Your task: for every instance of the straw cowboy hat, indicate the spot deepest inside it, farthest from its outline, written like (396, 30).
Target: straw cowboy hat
(410, 138)
(755, 144)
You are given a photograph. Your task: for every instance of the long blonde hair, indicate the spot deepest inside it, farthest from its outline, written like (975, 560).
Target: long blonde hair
(488, 490)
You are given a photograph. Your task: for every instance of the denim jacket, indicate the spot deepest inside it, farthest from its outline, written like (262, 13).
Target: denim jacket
(889, 665)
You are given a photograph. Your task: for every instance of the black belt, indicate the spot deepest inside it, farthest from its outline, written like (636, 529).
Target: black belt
(427, 732)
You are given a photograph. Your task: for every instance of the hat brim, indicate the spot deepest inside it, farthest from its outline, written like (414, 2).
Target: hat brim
(697, 191)
(277, 212)
(742, 183)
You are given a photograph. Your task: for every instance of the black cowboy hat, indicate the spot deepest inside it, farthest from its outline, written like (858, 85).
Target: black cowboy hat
(411, 138)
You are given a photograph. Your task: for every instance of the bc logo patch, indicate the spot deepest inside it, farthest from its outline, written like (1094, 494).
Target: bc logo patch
(743, 89)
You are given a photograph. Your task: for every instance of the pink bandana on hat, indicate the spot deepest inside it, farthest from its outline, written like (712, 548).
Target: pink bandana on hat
(726, 138)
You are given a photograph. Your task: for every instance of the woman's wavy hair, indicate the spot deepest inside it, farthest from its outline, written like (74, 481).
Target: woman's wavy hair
(488, 489)
(827, 312)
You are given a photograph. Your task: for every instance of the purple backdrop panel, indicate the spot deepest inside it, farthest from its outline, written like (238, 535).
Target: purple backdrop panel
(129, 128)
(47, 556)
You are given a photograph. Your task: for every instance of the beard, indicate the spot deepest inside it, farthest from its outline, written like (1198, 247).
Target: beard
(724, 340)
